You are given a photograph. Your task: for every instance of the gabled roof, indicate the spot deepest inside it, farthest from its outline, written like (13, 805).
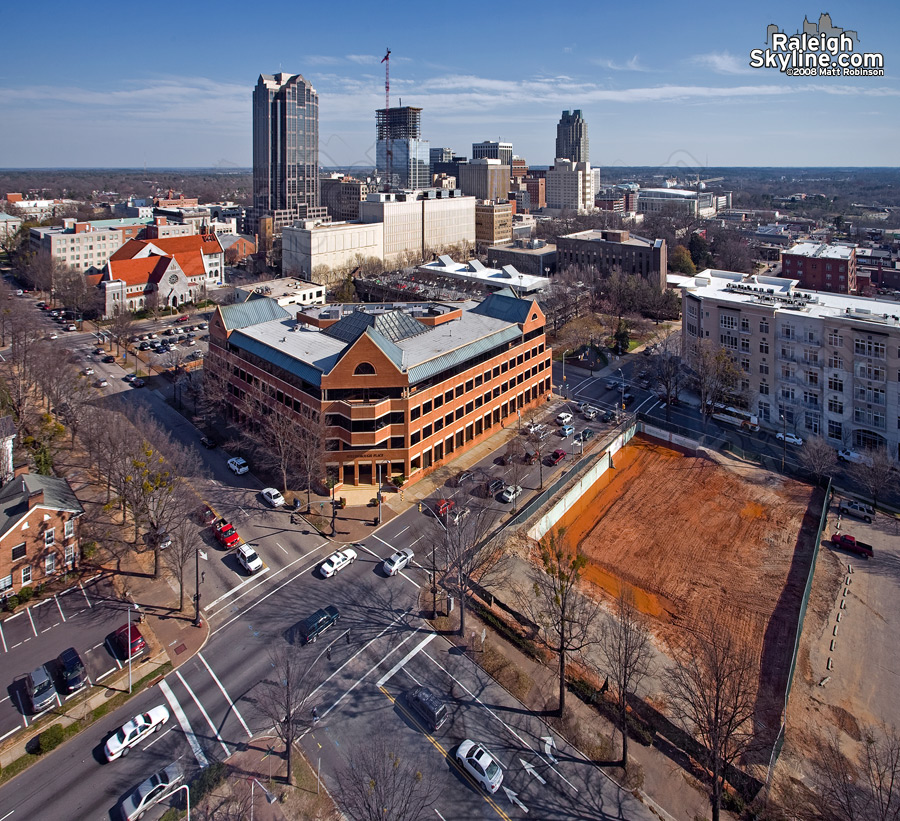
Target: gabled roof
(508, 308)
(139, 271)
(251, 312)
(14, 495)
(188, 250)
(392, 325)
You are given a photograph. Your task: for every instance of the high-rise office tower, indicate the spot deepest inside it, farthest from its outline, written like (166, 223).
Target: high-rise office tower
(399, 129)
(572, 137)
(285, 149)
(490, 150)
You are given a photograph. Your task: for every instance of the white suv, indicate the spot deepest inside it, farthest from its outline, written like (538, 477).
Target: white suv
(238, 465)
(249, 558)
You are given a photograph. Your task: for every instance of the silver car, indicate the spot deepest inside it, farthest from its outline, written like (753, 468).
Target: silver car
(399, 560)
(155, 789)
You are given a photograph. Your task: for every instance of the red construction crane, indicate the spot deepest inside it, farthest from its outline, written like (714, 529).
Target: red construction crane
(387, 119)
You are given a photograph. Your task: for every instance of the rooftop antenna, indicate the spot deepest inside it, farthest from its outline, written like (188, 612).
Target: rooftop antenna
(387, 108)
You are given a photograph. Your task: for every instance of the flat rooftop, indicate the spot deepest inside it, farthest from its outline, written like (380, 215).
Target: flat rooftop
(821, 250)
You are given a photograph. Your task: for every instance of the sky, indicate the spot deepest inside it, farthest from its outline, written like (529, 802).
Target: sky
(661, 84)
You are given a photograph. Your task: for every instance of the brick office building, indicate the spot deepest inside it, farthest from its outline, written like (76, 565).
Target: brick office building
(610, 250)
(407, 387)
(821, 267)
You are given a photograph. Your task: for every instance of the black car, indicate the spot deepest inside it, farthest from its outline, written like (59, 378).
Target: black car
(628, 398)
(609, 416)
(428, 707)
(109, 359)
(495, 486)
(586, 435)
(208, 442)
(312, 626)
(71, 670)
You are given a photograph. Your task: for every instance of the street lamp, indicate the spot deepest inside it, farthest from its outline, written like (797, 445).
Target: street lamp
(564, 368)
(783, 440)
(130, 653)
(187, 791)
(197, 622)
(622, 387)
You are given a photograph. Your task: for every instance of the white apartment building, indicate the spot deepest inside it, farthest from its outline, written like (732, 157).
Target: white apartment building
(309, 244)
(570, 186)
(829, 364)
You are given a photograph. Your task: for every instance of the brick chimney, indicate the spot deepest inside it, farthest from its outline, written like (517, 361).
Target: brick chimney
(21, 470)
(36, 498)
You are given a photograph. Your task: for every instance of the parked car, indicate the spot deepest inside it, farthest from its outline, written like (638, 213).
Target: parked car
(208, 442)
(847, 455)
(238, 465)
(71, 327)
(480, 765)
(850, 543)
(226, 534)
(249, 558)
(627, 398)
(564, 418)
(183, 318)
(109, 359)
(313, 626)
(88, 371)
(586, 435)
(790, 438)
(137, 383)
(495, 486)
(566, 430)
(857, 509)
(206, 515)
(459, 514)
(337, 561)
(463, 476)
(129, 641)
(427, 707)
(589, 413)
(510, 492)
(102, 383)
(398, 561)
(41, 691)
(71, 671)
(132, 732)
(556, 457)
(608, 416)
(155, 789)
(534, 429)
(273, 496)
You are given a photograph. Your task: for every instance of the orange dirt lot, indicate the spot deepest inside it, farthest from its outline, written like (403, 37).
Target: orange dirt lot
(697, 541)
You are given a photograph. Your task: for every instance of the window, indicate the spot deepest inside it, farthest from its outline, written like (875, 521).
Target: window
(745, 365)
(812, 377)
(50, 564)
(868, 347)
(811, 423)
(763, 368)
(787, 393)
(763, 346)
(745, 345)
(836, 384)
(727, 322)
(26, 574)
(745, 325)
(6, 583)
(364, 369)
(765, 411)
(788, 332)
(835, 430)
(415, 413)
(836, 361)
(728, 341)
(764, 388)
(868, 370)
(426, 408)
(764, 326)
(50, 537)
(18, 552)
(810, 398)
(835, 405)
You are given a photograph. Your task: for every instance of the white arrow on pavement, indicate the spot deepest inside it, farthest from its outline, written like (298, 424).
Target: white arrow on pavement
(514, 799)
(549, 744)
(531, 770)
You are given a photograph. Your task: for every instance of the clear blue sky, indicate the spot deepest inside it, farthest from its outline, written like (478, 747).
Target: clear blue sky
(91, 84)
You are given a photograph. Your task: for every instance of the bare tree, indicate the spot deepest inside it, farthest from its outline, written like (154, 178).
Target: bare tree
(715, 372)
(311, 446)
(18, 372)
(275, 441)
(818, 457)
(515, 455)
(627, 654)
(468, 554)
(284, 698)
(378, 783)
(668, 369)
(568, 618)
(122, 326)
(711, 691)
(186, 541)
(875, 473)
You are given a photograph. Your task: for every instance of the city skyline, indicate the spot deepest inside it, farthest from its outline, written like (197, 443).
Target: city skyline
(669, 88)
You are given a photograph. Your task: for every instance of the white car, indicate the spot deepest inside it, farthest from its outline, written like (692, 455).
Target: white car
(337, 561)
(249, 558)
(852, 456)
(564, 418)
(123, 739)
(102, 383)
(273, 497)
(589, 413)
(510, 492)
(88, 371)
(480, 764)
(535, 428)
(790, 438)
(399, 560)
(71, 327)
(238, 465)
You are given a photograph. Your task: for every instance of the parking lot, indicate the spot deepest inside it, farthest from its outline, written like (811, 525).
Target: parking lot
(83, 616)
(863, 627)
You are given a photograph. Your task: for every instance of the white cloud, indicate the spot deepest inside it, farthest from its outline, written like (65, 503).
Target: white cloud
(364, 59)
(721, 62)
(634, 64)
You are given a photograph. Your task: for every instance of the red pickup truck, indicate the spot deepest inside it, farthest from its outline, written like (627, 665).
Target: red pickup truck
(556, 457)
(226, 534)
(850, 543)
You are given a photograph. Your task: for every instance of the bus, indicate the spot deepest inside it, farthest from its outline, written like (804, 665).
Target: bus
(735, 416)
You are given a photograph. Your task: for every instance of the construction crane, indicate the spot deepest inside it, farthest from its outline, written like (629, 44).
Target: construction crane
(387, 118)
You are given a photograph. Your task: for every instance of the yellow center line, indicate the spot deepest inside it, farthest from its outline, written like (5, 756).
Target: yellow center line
(439, 747)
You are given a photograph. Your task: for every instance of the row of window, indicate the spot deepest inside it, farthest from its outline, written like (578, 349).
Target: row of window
(6, 582)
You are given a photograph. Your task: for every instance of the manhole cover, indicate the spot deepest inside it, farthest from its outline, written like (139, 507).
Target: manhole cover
(180, 649)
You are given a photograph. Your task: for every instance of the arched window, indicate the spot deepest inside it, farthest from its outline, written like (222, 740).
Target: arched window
(364, 369)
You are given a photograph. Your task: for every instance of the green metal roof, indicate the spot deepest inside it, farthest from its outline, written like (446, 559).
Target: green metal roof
(419, 373)
(252, 312)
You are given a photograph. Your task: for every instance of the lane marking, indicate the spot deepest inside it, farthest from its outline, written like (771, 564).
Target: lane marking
(28, 611)
(58, 607)
(7, 815)
(263, 581)
(228, 698)
(450, 758)
(84, 592)
(148, 746)
(185, 724)
(21, 707)
(521, 740)
(103, 675)
(389, 674)
(204, 713)
(373, 553)
(3, 639)
(9, 734)
(282, 549)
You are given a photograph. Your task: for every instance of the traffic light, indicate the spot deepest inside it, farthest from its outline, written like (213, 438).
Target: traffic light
(419, 505)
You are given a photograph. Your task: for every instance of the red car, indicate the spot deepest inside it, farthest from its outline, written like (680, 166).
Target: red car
(444, 506)
(556, 457)
(184, 318)
(226, 534)
(134, 643)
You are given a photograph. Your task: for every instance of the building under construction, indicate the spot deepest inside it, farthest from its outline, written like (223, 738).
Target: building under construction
(401, 155)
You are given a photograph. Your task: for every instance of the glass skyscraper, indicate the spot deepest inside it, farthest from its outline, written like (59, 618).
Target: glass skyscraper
(410, 157)
(285, 148)
(572, 137)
